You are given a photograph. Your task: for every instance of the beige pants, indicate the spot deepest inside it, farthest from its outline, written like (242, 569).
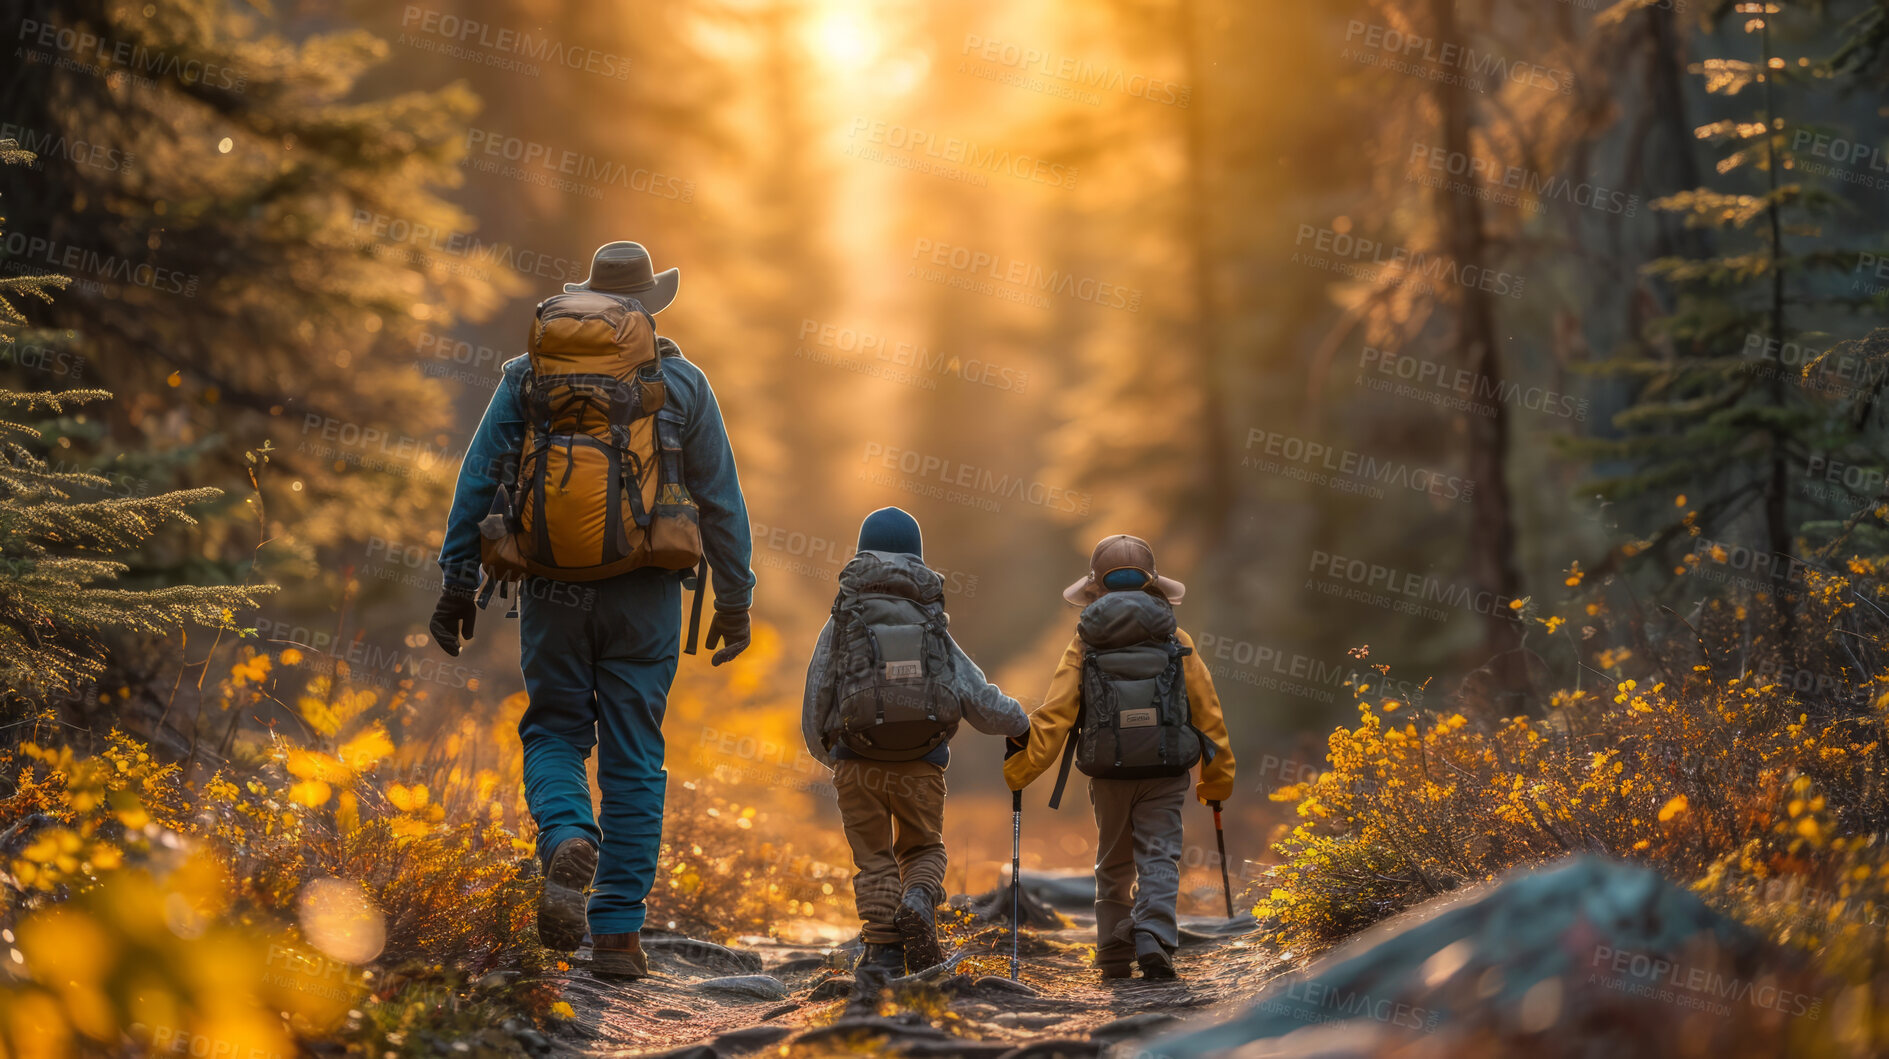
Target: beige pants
(893, 812)
(1137, 863)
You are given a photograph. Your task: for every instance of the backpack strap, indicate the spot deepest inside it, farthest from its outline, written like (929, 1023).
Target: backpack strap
(630, 471)
(1106, 689)
(1069, 753)
(1208, 749)
(940, 633)
(695, 611)
(541, 529)
(1069, 757)
(1164, 687)
(637, 305)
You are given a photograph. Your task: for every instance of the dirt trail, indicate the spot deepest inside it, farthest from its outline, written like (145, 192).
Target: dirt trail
(707, 1002)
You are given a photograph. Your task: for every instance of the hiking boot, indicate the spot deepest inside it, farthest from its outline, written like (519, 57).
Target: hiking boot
(1117, 970)
(885, 957)
(561, 906)
(917, 922)
(618, 955)
(1153, 957)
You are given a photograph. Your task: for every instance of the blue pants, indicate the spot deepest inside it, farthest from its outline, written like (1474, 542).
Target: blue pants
(598, 659)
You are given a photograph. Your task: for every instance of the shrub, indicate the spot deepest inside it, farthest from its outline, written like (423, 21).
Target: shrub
(729, 869)
(365, 892)
(1739, 749)
(372, 878)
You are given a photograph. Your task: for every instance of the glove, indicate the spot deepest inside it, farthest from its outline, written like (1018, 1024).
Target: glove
(730, 629)
(1013, 746)
(453, 618)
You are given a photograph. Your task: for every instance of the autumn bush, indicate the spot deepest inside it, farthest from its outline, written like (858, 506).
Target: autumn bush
(1738, 748)
(372, 893)
(366, 868)
(730, 869)
(742, 852)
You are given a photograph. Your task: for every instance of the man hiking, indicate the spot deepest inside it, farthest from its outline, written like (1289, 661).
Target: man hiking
(1135, 708)
(600, 476)
(885, 691)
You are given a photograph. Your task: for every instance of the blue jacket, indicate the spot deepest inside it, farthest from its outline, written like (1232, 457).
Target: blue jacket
(708, 469)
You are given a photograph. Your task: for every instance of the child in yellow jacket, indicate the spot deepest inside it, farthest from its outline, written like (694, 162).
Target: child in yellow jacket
(1137, 739)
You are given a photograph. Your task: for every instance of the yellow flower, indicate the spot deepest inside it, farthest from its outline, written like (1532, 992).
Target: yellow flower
(1673, 808)
(311, 765)
(408, 827)
(408, 799)
(312, 793)
(366, 748)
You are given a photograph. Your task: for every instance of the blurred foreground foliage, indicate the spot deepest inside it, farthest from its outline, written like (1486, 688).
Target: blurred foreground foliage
(333, 886)
(362, 874)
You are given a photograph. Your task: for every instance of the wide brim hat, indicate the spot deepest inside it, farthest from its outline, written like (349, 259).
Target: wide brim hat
(624, 269)
(1121, 552)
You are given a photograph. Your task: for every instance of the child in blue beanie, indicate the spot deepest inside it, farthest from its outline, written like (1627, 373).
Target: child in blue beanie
(885, 691)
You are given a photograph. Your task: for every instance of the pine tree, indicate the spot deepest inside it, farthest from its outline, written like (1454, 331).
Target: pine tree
(259, 248)
(1853, 375)
(1724, 420)
(61, 551)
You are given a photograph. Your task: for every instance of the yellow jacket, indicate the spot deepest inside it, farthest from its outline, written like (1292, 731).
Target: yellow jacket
(1050, 724)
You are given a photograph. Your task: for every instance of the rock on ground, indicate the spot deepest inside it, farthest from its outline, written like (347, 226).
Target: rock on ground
(993, 906)
(1587, 957)
(718, 959)
(754, 986)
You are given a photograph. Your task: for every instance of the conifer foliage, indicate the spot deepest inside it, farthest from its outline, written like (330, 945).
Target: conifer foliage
(62, 534)
(257, 244)
(1737, 408)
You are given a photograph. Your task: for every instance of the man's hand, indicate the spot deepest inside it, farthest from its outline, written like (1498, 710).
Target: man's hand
(730, 629)
(453, 618)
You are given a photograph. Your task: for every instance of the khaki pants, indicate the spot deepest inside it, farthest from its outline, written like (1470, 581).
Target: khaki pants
(1137, 863)
(893, 812)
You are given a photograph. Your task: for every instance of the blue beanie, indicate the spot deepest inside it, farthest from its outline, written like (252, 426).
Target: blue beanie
(890, 529)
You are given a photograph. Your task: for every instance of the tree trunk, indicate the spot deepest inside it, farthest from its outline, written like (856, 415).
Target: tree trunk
(1666, 87)
(1216, 476)
(1491, 559)
(1777, 526)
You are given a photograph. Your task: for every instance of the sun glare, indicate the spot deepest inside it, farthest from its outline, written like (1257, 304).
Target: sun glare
(844, 37)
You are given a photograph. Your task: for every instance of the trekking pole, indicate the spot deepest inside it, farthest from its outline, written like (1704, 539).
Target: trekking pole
(1016, 877)
(1220, 836)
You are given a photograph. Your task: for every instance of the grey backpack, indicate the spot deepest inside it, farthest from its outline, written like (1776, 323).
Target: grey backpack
(892, 658)
(1134, 721)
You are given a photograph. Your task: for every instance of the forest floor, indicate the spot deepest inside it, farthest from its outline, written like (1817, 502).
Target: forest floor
(705, 1001)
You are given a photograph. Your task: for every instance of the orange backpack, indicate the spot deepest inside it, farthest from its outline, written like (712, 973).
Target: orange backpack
(599, 489)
